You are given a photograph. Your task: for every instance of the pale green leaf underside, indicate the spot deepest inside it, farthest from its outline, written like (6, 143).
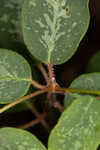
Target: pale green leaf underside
(68, 100)
(17, 139)
(15, 75)
(78, 127)
(51, 34)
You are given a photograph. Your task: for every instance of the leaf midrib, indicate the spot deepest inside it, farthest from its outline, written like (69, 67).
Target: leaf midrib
(17, 79)
(53, 35)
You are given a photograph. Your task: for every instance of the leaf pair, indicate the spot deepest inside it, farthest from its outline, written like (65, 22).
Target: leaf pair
(77, 129)
(50, 33)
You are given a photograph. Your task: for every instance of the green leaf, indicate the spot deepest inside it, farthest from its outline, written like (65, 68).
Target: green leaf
(15, 75)
(94, 63)
(90, 81)
(17, 139)
(68, 99)
(10, 22)
(87, 82)
(53, 29)
(78, 127)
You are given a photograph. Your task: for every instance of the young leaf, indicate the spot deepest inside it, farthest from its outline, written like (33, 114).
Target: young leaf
(94, 63)
(15, 75)
(78, 127)
(17, 139)
(53, 29)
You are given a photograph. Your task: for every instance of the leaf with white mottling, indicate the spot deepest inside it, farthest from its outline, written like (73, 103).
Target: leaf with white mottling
(15, 76)
(53, 29)
(78, 127)
(17, 139)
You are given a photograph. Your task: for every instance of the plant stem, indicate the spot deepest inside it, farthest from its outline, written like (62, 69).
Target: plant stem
(85, 91)
(31, 123)
(49, 89)
(36, 113)
(58, 106)
(52, 80)
(51, 73)
(23, 99)
(37, 85)
(81, 91)
(43, 71)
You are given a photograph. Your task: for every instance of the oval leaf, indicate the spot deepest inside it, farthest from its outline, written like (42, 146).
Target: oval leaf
(89, 81)
(15, 75)
(53, 28)
(78, 127)
(86, 81)
(17, 139)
